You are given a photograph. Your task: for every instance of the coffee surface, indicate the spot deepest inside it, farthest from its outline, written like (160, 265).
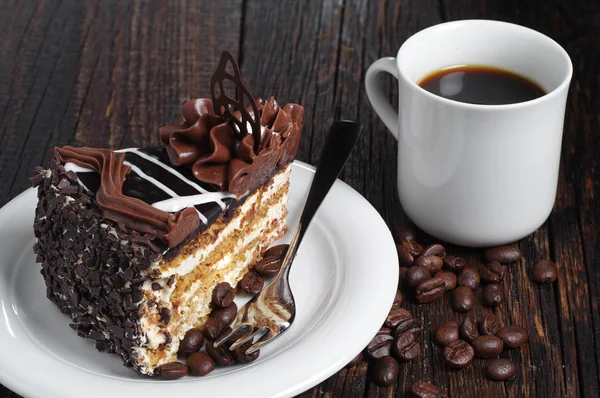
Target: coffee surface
(484, 85)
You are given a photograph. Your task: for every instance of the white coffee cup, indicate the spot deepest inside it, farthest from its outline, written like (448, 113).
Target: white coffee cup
(476, 175)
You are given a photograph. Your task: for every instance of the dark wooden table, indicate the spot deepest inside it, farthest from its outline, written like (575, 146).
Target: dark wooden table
(110, 73)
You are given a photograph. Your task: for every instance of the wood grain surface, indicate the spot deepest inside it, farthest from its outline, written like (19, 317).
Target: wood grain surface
(109, 73)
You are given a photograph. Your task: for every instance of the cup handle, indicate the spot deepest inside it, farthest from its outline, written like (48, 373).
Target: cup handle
(379, 102)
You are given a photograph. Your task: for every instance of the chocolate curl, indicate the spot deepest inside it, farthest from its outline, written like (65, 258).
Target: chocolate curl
(131, 212)
(228, 106)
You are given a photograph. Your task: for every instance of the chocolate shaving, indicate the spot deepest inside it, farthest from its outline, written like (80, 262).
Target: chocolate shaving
(234, 108)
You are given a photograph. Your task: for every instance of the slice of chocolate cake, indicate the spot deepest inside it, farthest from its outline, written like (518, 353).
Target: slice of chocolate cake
(132, 242)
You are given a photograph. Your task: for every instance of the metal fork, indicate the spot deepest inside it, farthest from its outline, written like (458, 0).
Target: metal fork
(270, 313)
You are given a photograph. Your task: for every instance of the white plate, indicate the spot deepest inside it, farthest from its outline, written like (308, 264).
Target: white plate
(344, 280)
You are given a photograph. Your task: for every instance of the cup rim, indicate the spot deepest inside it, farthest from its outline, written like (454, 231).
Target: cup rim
(564, 84)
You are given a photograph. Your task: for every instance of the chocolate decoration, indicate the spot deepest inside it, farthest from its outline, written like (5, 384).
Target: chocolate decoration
(131, 212)
(231, 108)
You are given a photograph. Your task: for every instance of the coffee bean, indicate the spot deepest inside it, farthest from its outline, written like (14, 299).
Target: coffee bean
(492, 272)
(503, 254)
(404, 233)
(355, 361)
(416, 275)
(396, 315)
(458, 354)
(432, 264)
(423, 389)
(192, 341)
(469, 277)
(223, 295)
(405, 259)
(454, 263)
(462, 299)
(385, 371)
(240, 353)
(413, 247)
(172, 370)
(544, 271)
(493, 295)
(500, 369)
(278, 251)
(446, 333)
(218, 319)
(221, 354)
(406, 347)
(380, 346)
(399, 298)
(468, 328)
(200, 364)
(384, 330)
(487, 346)
(513, 336)
(430, 290)
(434, 250)
(268, 267)
(488, 325)
(252, 283)
(449, 279)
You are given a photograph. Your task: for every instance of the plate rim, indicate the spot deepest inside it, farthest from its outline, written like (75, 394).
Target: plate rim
(18, 383)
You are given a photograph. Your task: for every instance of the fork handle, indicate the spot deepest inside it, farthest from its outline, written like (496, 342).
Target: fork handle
(340, 141)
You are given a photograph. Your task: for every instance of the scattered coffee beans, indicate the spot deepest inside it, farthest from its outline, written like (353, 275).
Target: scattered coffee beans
(434, 250)
(278, 251)
(192, 341)
(380, 346)
(430, 290)
(544, 271)
(446, 333)
(503, 254)
(454, 263)
(500, 369)
(488, 325)
(405, 259)
(469, 277)
(458, 354)
(416, 275)
(355, 361)
(395, 316)
(384, 330)
(492, 272)
(449, 279)
(406, 348)
(252, 283)
(385, 371)
(423, 389)
(268, 267)
(172, 370)
(221, 354)
(432, 264)
(223, 295)
(462, 299)
(468, 328)
(493, 295)
(404, 233)
(513, 336)
(218, 319)
(487, 346)
(200, 364)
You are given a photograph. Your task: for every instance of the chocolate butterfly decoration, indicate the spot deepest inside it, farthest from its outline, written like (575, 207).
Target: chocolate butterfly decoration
(226, 106)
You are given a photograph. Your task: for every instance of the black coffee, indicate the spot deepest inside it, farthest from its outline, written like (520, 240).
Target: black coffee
(483, 85)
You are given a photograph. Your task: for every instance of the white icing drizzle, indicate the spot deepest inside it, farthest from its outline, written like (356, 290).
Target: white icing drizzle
(176, 203)
(182, 202)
